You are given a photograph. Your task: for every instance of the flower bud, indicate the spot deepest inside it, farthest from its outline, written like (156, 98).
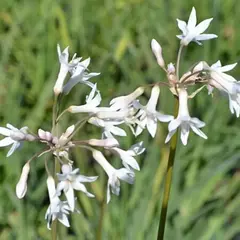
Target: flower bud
(21, 187)
(157, 51)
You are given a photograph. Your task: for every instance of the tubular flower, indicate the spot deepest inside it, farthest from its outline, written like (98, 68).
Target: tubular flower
(184, 121)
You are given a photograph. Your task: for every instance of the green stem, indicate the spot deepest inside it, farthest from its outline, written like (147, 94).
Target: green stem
(168, 181)
(100, 224)
(56, 163)
(178, 60)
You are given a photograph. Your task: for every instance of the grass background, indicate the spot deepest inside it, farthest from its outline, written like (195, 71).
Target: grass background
(205, 199)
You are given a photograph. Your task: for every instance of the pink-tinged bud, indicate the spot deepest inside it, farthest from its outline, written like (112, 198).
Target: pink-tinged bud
(41, 134)
(21, 187)
(157, 51)
(171, 68)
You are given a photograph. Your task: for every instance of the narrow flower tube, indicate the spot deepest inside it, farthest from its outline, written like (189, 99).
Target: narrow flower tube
(124, 101)
(21, 187)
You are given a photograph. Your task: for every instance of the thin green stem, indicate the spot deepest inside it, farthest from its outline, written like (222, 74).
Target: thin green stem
(101, 218)
(56, 163)
(168, 181)
(178, 60)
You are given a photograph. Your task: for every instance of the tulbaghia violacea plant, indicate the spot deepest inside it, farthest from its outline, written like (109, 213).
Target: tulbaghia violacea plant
(65, 178)
(124, 110)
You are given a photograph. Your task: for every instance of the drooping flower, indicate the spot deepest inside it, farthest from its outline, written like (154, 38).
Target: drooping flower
(70, 180)
(79, 74)
(65, 67)
(148, 116)
(193, 32)
(128, 160)
(57, 209)
(14, 137)
(184, 121)
(114, 175)
(225, 83)
(109, 127)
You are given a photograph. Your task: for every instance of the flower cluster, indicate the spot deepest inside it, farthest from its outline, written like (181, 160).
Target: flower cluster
(124, 110)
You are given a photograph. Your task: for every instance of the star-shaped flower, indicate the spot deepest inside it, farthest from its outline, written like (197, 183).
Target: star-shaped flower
(70, 180)
(184, 121)
(148, 116)
(193, 32)
(225, 83)
(14, 137)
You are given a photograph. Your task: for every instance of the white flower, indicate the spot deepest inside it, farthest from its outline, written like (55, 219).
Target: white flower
(127, 157)
(148, 116)
(14, 137)
(92, 101)
(123, 102)
(184, 120)
(109, 127)
(70, 180)
(114, 175)
(226, 83)
(65, 67)
(157, 51)
(79, 75)
(57, 209)
(193, 32)
(21, 187)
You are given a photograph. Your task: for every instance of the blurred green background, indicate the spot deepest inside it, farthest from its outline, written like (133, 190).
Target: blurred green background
(205, 201)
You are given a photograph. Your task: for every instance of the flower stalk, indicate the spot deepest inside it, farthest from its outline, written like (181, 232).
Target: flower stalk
(168, 181)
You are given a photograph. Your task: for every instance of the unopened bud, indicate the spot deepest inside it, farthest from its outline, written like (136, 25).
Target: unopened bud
(21, 187)
(157, 51)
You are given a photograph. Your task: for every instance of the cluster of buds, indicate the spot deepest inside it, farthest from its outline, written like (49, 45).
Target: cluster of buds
(124, 110)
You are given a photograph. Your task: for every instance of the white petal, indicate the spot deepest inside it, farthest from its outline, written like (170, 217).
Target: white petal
(203, 37)
(202, 26)
(163, 118)
(64, 220)
(227, 67)
(126, 175)
(108, 192)
(6, 141)
(174, 124)
(198, 131)
(81, 178)
(182, 26)
(117, 131)
(192, 21)
(4, 131)
(13, 148)
(80, 187)
(70, 197)
(169, 136)
(152, 126)
(184, 133)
